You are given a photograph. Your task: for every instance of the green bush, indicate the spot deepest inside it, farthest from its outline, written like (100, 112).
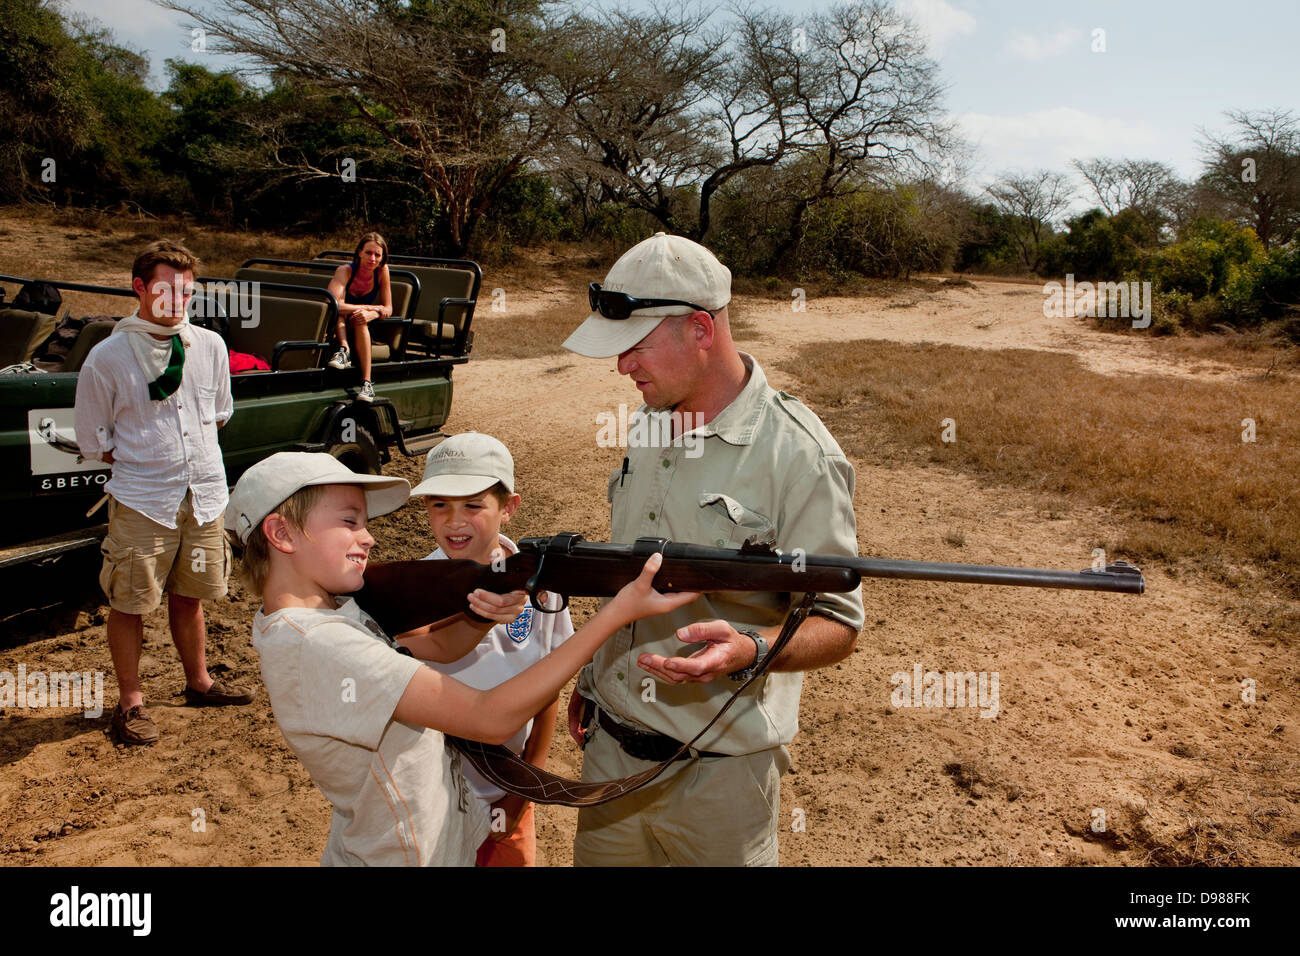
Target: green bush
(526, 213)
(875, 232)
(1264, 287)
(987, 244)
(1098, 247)
(1221, 274)
(1202, 264)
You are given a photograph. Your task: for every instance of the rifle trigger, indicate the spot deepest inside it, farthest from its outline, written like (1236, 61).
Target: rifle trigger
(533, 585)
(538, 601)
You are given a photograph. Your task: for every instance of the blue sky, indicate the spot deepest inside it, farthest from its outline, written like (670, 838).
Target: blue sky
(1024, 83)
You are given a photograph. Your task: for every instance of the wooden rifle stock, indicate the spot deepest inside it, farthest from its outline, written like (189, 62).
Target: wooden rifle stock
(403, 595)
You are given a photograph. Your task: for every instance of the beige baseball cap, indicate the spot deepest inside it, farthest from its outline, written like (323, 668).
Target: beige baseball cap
(465, 465)
(661, 267)
(270, 482)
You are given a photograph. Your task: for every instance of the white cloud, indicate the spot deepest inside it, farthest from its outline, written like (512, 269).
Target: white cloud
(1029, 47)
(143, 25)
(1050, 139)
(938, 20)
(131, 19)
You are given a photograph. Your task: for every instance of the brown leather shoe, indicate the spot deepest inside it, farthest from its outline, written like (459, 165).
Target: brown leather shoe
(218, 695)
(134, 727)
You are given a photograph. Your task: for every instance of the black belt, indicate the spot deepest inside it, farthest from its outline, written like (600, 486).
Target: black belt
(644, 745)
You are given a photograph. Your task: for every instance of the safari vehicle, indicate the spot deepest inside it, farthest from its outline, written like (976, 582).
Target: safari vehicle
(278, 310)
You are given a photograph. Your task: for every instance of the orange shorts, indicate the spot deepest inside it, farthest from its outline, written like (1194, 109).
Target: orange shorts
(518, 849)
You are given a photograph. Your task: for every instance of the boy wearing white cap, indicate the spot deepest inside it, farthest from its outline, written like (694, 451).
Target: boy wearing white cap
(362, 716)
(760, 467)
(469, 492)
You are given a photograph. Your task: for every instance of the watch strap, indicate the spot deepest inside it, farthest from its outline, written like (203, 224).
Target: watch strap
(760, 653)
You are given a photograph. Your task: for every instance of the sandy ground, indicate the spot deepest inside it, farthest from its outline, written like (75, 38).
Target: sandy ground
(1120, 734)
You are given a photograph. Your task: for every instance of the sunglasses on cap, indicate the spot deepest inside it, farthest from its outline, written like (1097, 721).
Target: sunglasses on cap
(620, 305)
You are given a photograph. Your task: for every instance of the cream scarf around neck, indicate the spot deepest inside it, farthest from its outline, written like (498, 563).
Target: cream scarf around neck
(153, 355)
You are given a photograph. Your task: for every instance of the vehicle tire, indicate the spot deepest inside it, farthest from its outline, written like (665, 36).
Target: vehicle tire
(362, 455)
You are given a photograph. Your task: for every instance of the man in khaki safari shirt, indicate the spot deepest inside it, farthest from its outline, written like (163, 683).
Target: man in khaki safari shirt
(742, 462)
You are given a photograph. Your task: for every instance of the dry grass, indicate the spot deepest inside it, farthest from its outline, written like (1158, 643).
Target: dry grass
(781, 289)
(1204, 842)
(1266, 349)
(501, 335)
(111, 240)
(106, 243)
(506, 335)
(570, 265)
(1168, 452)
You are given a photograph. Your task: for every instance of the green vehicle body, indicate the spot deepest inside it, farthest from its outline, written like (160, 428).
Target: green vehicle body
(46, 491)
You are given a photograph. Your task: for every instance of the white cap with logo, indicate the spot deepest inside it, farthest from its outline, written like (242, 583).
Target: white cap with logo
(271, 482)
(661, 267)
(465, 465)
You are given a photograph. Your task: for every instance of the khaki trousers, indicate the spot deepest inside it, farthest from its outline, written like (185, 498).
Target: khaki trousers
(713, 811)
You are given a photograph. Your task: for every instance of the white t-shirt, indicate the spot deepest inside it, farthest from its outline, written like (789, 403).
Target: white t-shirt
(334, 679)
(505, 651)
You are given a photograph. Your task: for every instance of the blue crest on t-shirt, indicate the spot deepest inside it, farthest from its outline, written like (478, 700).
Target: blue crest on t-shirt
(519, 628)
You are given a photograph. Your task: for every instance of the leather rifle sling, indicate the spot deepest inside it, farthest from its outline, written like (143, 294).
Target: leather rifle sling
(503, 768)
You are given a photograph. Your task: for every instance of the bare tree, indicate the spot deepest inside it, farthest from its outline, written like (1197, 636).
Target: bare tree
(1256, 171)
(458, 91)
(867, 108)
(1032, 202)
(637, 129)
(843, 99)
(1146, 185)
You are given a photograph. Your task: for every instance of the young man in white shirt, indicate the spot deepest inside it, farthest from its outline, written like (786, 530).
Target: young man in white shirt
(150, 399)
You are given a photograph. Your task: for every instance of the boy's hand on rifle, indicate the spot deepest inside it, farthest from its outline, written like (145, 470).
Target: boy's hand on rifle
(500, 608)
(639, 599)
(726, 650)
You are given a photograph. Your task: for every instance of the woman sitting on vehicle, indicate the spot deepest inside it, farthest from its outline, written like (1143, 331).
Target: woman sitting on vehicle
(364, 294)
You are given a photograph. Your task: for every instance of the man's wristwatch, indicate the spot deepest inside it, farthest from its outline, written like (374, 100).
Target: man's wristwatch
(760, 652)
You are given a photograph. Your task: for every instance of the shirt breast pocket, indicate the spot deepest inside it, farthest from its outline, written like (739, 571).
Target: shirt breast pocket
(614, 494)
(207, 398)
(731, 524)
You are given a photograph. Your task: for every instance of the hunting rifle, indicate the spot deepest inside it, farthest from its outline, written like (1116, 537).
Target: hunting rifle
(405, 595)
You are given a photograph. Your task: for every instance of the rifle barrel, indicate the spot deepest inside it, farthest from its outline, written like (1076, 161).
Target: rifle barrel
(1120, 576)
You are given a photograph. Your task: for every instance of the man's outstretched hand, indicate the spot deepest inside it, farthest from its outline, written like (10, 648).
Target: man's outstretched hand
(725, 650)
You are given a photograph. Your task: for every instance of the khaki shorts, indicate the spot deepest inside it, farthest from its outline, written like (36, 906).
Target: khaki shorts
(714, 811)
(142, 558)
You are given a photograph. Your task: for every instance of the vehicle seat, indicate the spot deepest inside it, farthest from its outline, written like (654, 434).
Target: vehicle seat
(385, 339)
(281, 319)
(90, 335)
(438, 283)
(20, 334)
